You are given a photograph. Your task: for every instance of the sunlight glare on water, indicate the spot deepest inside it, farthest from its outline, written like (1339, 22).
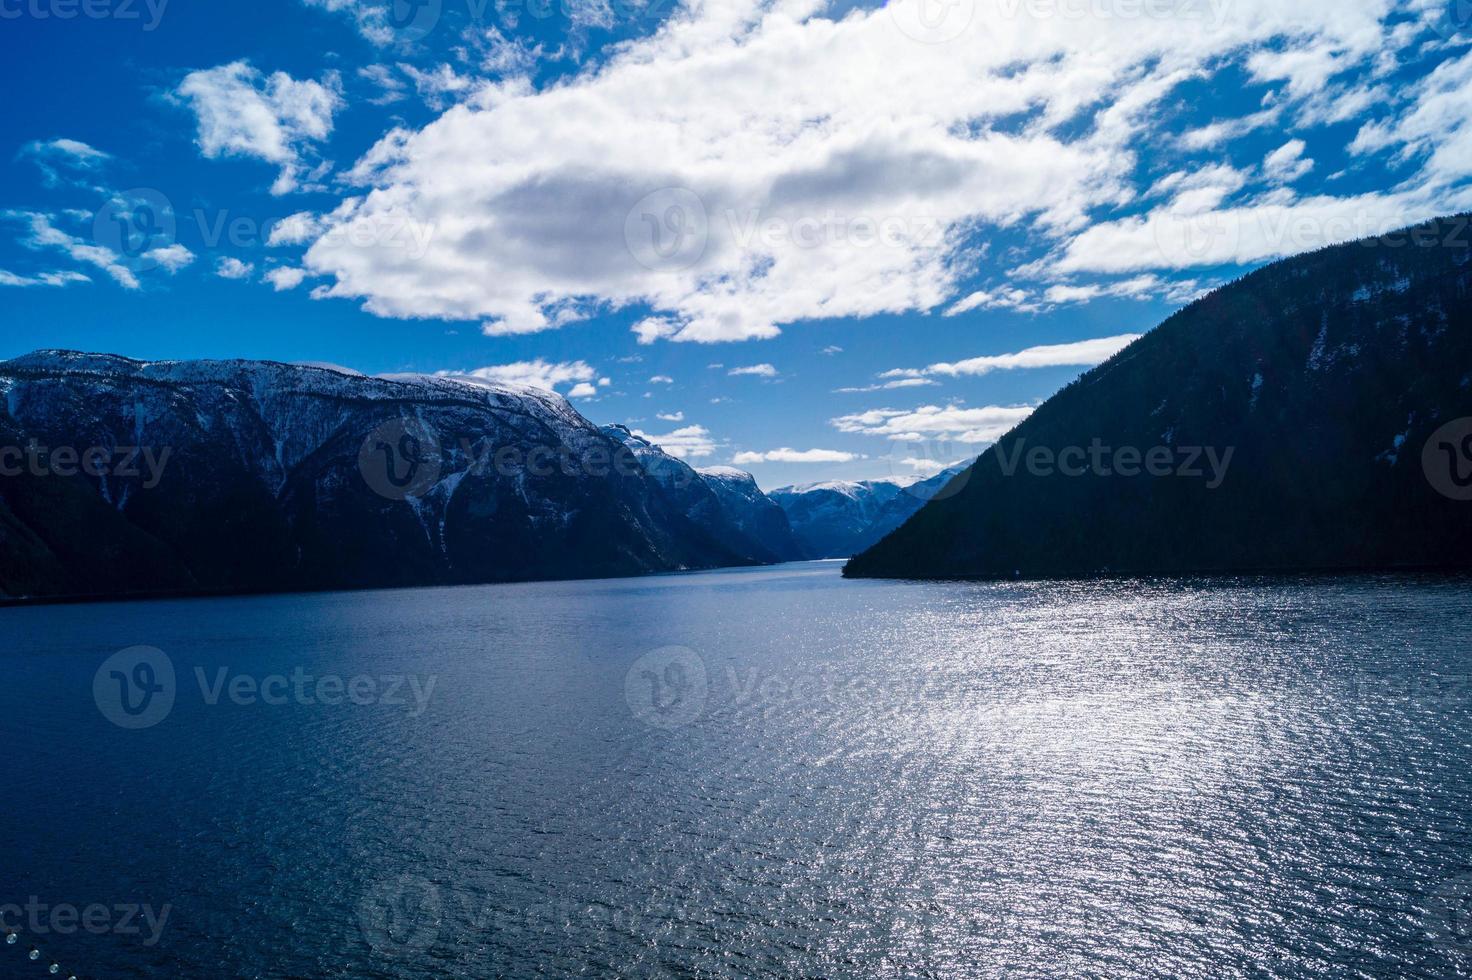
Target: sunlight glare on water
(767, 770)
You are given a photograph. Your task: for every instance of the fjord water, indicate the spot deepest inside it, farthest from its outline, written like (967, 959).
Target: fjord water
(762, 770)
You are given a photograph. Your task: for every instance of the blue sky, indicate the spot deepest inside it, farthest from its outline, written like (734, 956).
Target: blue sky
(824, 229)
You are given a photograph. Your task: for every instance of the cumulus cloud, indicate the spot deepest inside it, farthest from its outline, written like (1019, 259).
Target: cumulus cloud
(715, 211)
(275, 118)
(170, 258)
(1287, 163)
(228, 267)
(952, 422)
(729, 213)
(284, 277)
(661, 379)
(687, 442)
(788, 455)
(670, 416)
(295, 229)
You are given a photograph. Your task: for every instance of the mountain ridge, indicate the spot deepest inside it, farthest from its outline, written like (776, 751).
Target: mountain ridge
(1324, 375)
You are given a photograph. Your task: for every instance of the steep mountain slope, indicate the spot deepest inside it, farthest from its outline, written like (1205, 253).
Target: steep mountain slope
(728, 514)
(262, 476)
(1302, 418)
(753, 513)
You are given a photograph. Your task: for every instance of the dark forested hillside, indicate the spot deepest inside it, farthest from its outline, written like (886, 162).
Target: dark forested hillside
(1311, 416)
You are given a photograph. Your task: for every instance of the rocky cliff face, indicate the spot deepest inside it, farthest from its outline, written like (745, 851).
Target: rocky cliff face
(126, 477)
(755, 515)
(1315, 415)
(724, 503)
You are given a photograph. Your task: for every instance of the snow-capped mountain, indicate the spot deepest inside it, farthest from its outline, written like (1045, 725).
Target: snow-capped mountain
(132, 477)
(837, 518)
(1314, 415)
(725, 503)
(757, 515)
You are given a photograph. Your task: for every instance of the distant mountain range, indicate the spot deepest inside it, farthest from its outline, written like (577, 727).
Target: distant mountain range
(1314, 415)
(838, 519)
(120, 477)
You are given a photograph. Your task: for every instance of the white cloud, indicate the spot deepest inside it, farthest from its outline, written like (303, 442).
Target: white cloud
(1024, 125)
(924, 466)
(438, 87)
(670, 416)
(295, 229)
(952, 422)
(1223, 131)
(661, 379)
(277, 119)
(44, 234)
(64, 160)
(754, 370)
(43, 279)
(1242, 235)
(1009, 298)
(171, 258)
(889, 385)
(653, 328)
(831, 349)
(854, 193)
(228, 267)
(390, 86)
(1287, 163)
(688, 442)
(284, 277)
(538, 374)
(1433, 122)
(787, 455)
(1081, 353)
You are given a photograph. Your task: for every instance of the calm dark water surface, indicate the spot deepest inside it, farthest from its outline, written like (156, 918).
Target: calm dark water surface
(756, 771)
